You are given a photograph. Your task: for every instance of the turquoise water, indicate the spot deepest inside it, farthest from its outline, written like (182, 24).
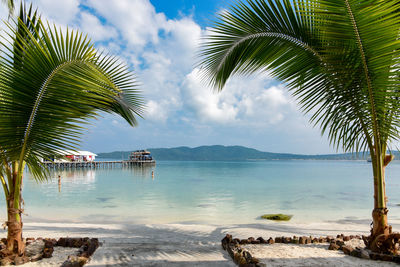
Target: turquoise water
(210, 192)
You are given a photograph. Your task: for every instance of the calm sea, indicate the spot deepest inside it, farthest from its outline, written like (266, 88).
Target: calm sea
(210, 192)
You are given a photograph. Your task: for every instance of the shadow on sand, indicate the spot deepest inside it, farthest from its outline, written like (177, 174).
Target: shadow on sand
(183, 244)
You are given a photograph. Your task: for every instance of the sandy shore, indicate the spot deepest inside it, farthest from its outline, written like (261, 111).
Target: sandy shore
(199, 244)
(290, 255)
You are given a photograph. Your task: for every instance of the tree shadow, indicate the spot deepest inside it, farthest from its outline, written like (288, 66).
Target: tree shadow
(174, 244)
(147, 245)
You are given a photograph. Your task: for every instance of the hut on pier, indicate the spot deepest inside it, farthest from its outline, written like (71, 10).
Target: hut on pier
(140, 155)
(73, 156)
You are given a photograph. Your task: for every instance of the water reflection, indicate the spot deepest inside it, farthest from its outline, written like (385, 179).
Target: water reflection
(213, 192)
(142, 171)
(85, 176)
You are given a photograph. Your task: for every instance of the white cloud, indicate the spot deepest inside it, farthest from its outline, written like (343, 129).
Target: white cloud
(136, 19)
(155, 111)
(274, 96)
(98, 32)
(61, 12)
(244, 101)
(207, 105)
(167, 63)
(266, 106)
(182, 42)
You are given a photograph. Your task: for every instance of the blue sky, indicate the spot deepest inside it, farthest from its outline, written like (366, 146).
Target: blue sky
(159, 40)
(201, 10)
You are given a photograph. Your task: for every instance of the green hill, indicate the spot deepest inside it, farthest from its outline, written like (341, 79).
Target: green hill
(230, 153)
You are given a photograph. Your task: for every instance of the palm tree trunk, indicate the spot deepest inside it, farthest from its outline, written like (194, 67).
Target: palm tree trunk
(15, 242)
(380, 228)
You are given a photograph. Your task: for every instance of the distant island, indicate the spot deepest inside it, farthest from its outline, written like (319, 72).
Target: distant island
(231, 153)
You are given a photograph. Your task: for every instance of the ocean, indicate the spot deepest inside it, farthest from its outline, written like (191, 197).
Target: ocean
(210, 192)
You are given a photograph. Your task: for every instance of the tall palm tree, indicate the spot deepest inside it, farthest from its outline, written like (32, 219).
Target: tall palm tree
(51, 84)
(340, 60)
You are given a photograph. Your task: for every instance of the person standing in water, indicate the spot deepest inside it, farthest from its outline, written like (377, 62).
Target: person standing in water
(59, 183)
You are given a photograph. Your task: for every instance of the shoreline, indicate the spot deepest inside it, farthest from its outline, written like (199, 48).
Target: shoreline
(115, 219)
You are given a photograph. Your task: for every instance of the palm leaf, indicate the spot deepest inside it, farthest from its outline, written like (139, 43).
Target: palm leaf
(61, 82)
(314, 48)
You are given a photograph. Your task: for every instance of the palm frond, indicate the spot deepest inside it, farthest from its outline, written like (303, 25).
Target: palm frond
(60, 83)
(338, 58)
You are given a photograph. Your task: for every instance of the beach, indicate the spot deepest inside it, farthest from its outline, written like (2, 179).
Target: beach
(200, 244)
(238, 122)
(179, 217)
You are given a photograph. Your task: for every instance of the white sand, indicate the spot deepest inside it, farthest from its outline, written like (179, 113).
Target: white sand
(60, 254)
(309, 255)
(200, 244)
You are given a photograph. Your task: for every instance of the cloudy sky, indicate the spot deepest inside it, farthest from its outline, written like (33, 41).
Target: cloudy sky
(159, 40)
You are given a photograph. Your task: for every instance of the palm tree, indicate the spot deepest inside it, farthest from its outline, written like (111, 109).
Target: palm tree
(51, 84)
(339, 59)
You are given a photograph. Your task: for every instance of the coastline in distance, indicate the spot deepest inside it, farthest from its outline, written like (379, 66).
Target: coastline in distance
(232, 153)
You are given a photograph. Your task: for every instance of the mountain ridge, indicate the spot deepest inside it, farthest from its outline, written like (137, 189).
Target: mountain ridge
(232, 153)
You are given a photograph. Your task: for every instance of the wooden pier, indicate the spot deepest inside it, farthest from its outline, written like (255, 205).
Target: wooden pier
(98, 164)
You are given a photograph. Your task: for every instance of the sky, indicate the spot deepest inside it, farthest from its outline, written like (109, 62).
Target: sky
(159, 41)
